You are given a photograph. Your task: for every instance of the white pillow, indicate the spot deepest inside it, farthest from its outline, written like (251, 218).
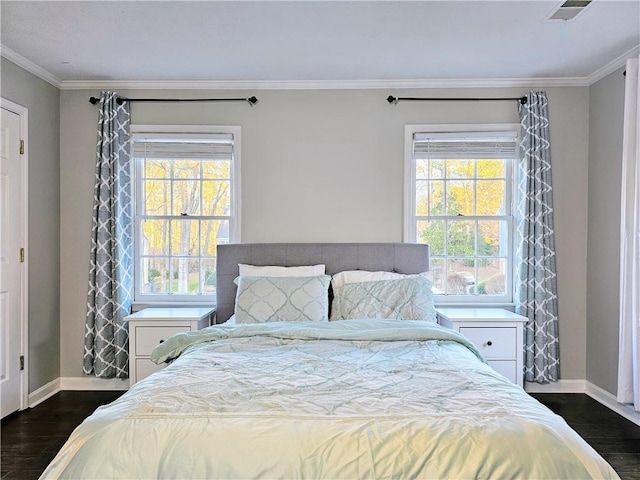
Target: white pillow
(359, 276)
(276, 271)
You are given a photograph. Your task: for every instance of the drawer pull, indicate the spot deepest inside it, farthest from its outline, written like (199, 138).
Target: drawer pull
(497, 343)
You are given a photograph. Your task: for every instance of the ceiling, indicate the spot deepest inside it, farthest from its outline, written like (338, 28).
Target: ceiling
(98, 41)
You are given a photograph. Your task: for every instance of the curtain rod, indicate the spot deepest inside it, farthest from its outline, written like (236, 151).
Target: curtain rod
(120, 100)
(395, 100)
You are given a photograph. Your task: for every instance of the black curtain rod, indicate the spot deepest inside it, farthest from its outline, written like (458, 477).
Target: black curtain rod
(394, 100)
(120, 100)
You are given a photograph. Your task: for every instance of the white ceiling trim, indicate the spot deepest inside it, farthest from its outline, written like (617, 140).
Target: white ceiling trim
(613, 66)
(322, 84)
(29, 66)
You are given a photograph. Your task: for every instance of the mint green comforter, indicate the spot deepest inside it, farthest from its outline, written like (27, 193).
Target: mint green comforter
(349, 399)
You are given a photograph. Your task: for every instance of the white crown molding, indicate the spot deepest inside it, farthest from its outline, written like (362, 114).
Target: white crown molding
(613, 65)
(321, 84)
(29, 66)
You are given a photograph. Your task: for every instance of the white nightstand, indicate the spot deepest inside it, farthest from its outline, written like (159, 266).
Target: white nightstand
(496, 332)
(151, 326)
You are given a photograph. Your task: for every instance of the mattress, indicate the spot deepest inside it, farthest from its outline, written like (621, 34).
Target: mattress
(346, 399)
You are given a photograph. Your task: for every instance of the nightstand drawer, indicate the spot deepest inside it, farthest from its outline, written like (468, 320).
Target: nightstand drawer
(148, 338)
(145, 367)
(506, 368)
(497, 333)
(150, 326)
(494, 343)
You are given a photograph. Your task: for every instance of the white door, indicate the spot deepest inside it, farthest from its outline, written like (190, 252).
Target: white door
(11, 229)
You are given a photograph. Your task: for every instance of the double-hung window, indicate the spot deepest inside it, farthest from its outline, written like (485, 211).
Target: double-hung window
(459, 200)
(186, 204)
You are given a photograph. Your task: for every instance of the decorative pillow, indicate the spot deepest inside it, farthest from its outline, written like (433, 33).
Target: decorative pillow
(282, 299)
(357, 276)
(408, 298)
(276, 271)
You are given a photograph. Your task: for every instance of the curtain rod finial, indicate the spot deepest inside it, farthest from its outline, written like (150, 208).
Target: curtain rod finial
(252, 100)
(392, 99)
(523, 100)
(93, 100)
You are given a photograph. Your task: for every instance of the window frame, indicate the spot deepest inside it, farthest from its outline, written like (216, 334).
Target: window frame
(140, 298)
(410, 218)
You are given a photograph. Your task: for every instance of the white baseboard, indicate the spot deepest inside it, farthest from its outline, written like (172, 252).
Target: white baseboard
(46, 391)
(595, 392)
(561, 386)
(93, 383)
(609, 400)
(75, 383)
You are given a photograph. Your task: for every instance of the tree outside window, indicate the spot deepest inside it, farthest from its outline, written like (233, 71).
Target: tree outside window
(462, 209)
(184, 204)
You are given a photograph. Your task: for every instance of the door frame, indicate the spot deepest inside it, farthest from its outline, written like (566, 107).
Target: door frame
(23, 113)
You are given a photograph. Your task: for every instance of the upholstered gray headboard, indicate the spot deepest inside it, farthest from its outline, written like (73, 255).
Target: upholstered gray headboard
(391, 257)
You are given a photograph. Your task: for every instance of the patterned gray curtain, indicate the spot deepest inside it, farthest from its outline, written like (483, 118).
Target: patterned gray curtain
(111, 268)
(536, 292)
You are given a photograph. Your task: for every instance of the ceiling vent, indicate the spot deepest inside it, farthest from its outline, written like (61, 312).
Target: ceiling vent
(568, 11)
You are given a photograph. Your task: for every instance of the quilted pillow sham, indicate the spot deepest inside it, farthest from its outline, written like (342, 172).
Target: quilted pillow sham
(408, 298)
(282, 299)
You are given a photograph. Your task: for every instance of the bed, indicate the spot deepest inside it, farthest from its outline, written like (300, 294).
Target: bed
(355, 397)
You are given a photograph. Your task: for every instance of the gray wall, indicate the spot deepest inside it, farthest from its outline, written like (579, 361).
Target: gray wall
(43, 102)
(328, 166)
(606, 107)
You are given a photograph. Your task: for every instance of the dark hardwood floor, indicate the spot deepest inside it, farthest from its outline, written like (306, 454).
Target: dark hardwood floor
(611, 435)
(30, 439)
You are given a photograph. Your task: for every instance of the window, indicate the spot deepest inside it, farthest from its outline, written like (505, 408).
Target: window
(186, 204)
(459, 200)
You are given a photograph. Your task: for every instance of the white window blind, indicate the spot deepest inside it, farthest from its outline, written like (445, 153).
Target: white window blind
(196, 147)
(485, 145)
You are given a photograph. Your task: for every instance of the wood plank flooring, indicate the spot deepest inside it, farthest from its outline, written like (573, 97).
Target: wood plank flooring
(611, 435)
(30, 439)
